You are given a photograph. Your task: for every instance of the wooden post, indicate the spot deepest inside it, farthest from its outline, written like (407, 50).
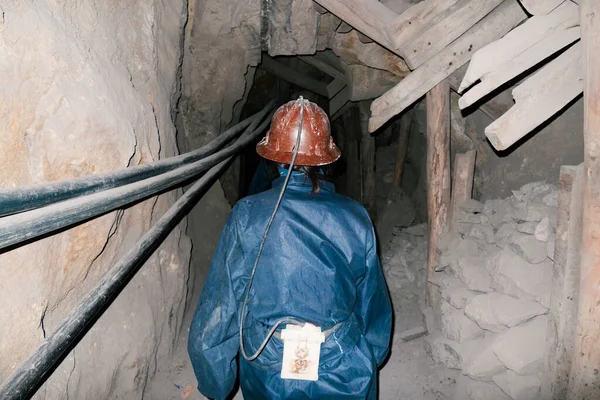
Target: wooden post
(562, 315)
(438, 169)
(585, 373)
(367, 158)
(462, 183)
(405, 125)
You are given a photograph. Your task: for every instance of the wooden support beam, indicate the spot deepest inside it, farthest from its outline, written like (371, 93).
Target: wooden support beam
(494, 107)
(337, 102)
(369, 17)
(539, 98)
(291, 75)
(521, 49)
(541, 7)
(415, 19)
(334, 87)
(462, 183)
(444, 28)
(496, 24)
(322, 65)
(562, 315)
(367, 160)
(438, 171)
(585, 375)
(403, 137)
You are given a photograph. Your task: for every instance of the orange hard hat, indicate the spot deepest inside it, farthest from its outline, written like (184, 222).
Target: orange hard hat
(316, 144)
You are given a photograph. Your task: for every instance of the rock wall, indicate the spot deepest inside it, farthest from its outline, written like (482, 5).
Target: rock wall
(493, 293)
(90, 87)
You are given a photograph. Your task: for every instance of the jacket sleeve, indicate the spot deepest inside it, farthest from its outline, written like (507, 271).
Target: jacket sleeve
(214, 340)
(373, 306)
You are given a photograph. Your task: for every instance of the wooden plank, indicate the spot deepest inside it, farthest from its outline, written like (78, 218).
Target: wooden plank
(367, 160)
(334, 87)
(369, 17)
(496, 24)
(286, 73)
(562, 315)
(337, 102)
(438, 171)
(515, 67)
(416, 19)
(522, 48)
(403, 135)
(539, 98)
(322, 65)
(444, 29)
(585, 376)
(462, 183)
(540, 7)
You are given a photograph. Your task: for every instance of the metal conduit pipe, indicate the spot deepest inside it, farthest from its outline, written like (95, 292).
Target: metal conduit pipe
(16, 200)
(32, 373)
(19, 228)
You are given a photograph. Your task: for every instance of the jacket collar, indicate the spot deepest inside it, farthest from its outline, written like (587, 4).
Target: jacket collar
(300, 181)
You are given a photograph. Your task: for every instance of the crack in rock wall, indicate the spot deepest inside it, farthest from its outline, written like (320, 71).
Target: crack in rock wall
(493, 281)
(89, 88)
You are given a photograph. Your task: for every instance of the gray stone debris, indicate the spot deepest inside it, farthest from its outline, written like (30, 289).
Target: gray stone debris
(467, 217)
(527, 227)
(456, 326)
(542, 230)
(477, 390)
(521, 348)
(519, 387)
(444, 351)
(479, 360)
(472, 272)
(529, 248)
(471, 206)
(518, 278)
(413, 333)
(497, 312)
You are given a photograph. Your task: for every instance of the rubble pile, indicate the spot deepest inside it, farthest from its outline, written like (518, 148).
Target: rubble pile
(404, 262)
(492, 292)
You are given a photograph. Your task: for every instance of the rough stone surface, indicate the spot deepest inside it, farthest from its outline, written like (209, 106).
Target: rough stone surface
(485, 391)
(473, 273)
(527, 227)
(471, 205)
(292, 27)
(542, 230)
(517, 277)
(496, 312)
(444, 351)
(479, 360)
(519, 387)
(521, 348)
(456, 326)
(91, 88)
(529, 248)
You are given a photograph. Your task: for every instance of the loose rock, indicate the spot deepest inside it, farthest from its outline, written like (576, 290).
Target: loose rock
(521, 348)
(485, 391)
(456, 326)
(496, 312)
(529, 248)
(479, 360)
(518, 278)
(472, 272)
(527, 227)
(542, 230)
(471, 206)
(444, 351)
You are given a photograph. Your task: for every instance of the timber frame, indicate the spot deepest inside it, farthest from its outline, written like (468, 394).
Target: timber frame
(478, 48)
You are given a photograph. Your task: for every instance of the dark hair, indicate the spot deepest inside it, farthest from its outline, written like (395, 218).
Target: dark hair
(315, 174)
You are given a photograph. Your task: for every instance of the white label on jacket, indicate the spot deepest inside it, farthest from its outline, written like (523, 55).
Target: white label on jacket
(301, 352)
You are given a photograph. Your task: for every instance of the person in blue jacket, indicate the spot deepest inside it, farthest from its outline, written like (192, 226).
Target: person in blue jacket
(318, 265)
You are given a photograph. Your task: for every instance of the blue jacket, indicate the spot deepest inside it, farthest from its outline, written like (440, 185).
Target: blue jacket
(319, 264)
